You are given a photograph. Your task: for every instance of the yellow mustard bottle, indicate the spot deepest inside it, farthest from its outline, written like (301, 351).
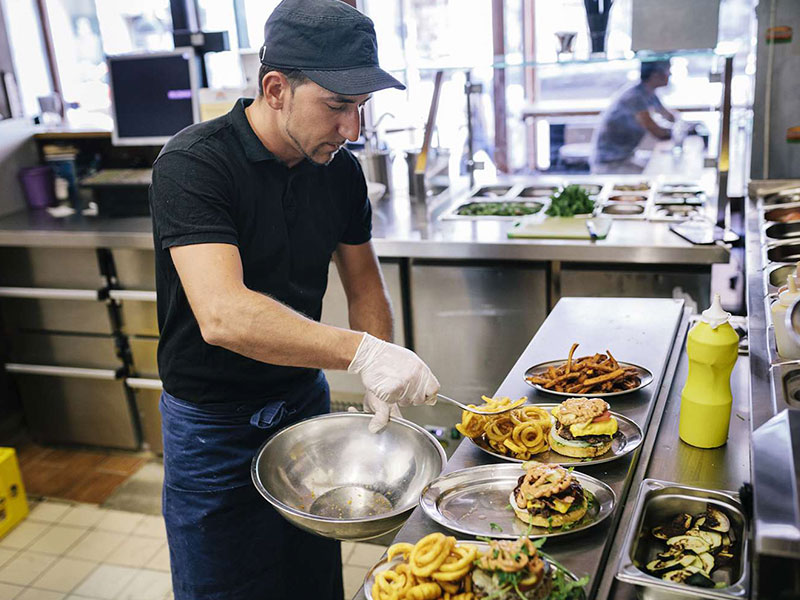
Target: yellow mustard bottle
(706, 399)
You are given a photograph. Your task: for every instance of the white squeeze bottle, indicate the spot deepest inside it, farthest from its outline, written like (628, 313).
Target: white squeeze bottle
(787, 348)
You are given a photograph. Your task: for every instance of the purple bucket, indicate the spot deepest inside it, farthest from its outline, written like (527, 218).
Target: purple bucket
(38, 183)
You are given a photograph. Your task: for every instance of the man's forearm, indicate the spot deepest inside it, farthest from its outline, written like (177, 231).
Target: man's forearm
(372, 312)
(261, 328)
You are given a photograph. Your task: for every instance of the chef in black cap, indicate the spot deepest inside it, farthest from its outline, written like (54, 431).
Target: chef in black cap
(248, 211)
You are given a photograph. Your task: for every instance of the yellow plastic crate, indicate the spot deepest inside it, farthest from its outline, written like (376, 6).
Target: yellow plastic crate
(13, 504)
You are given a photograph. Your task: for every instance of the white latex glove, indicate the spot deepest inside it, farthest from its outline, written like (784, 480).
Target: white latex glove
(382, 411)
(392, 375)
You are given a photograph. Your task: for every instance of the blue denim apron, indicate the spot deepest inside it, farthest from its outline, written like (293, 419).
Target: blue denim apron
(225, 540)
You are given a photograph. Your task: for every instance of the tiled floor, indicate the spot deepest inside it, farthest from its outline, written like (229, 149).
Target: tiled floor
(71, 551)
(81, 476)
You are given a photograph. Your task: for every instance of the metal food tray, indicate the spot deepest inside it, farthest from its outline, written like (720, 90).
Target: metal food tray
(629, 439)
(645, 377)
(384, 564)
(476, 501)
(658, 501)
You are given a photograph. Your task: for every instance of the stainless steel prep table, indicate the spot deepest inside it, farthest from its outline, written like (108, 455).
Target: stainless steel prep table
(646, 331)
(400, 230)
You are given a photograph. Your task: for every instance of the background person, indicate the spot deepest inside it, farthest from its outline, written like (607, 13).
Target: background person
(628, 119)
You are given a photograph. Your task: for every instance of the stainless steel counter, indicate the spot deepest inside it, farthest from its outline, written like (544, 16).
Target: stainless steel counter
(401, 229)
(642, 328)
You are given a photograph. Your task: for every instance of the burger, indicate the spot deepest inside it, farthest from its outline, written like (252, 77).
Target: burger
(584, 427)
(511, 570)
(548, 496)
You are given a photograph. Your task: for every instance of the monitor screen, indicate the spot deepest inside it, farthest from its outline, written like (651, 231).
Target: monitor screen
(153, 96)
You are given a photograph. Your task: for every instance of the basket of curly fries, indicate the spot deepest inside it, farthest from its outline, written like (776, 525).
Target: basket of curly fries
(441, 567)
(520, 433)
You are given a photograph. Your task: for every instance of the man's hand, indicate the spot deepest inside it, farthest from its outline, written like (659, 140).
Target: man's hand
(392, 375)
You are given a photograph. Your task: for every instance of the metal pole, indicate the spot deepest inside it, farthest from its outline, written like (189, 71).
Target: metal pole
(723, 165)
(470, 157)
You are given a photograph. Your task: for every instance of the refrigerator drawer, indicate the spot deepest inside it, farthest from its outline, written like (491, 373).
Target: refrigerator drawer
(76, 406)
(63, 349)
(136, 269)
(147, 393)
(143, 351)
(138, 310)
(45, 309)
(50, 267)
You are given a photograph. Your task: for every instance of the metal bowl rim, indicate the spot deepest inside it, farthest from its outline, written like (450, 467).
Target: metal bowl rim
(304, 515)
(537, 387)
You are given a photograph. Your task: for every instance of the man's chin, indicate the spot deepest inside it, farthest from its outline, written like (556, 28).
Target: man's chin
(322, 157)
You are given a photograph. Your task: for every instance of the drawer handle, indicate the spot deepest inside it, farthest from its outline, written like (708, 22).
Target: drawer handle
(106, 374)
(48, 293)
(136, 295)
(139, 383)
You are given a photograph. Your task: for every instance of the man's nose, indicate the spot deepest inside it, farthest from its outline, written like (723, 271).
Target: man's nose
(350, 126)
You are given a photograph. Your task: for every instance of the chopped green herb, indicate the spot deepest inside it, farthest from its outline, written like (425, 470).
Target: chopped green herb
(509, 507)
(570, 201)
(570, 470)
(495, 527)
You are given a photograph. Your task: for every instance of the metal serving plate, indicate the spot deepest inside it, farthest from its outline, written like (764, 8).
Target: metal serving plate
(383, 565)
(475, 501)
(629, 438)
(657, 502)
(645, 376)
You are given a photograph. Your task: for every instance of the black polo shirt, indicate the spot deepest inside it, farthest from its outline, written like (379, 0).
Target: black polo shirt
(215, 182)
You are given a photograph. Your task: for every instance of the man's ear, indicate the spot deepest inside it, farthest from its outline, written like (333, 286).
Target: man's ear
(275, 88)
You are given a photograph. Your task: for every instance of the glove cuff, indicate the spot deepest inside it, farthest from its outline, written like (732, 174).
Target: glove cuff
(357, 362)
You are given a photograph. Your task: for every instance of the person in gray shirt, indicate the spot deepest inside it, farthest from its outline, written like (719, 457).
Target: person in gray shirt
(628, 119)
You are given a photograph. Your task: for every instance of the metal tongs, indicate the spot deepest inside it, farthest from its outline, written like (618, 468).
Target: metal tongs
(477, 411)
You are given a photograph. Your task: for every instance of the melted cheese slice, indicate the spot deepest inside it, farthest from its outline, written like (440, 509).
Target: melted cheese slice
(560, 506)
(608, 427)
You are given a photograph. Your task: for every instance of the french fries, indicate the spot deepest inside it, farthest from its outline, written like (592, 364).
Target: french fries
(599, 373)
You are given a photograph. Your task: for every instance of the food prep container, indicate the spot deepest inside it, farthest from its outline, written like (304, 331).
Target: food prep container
(537, 191)
(659, 501)
(624, 210)
(492, 191)
(785, 214)
(627, 198)
(784, 253)
(776, 277)
(783, 231)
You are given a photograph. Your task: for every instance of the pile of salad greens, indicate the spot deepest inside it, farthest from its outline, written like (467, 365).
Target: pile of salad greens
(570, 201)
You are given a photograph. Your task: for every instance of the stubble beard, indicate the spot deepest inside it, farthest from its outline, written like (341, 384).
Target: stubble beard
(299, 146)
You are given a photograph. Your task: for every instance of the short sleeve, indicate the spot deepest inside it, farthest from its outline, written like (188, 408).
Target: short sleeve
(359, 226)
(638, 102)
(190, 200)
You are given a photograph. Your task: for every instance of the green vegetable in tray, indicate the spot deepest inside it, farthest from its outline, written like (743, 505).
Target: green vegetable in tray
(570, 201)
(499, 209)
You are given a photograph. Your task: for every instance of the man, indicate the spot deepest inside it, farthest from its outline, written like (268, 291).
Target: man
(628, 119)
(248, 210)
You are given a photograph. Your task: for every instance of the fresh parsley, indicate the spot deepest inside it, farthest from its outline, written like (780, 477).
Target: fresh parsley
(495, 527)
(570, 201)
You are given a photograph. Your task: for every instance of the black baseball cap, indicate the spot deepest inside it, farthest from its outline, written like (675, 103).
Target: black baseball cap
(330, 42)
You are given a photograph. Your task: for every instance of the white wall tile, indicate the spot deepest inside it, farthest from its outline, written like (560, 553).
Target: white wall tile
(147, 585)
(96, 545)
(23, 535)
(135, 551)
(83, 515)
(48, 512)
(119, 521)
(105, 582)
(9, 592)
(58, 539)
(64, 575)
(25, 567)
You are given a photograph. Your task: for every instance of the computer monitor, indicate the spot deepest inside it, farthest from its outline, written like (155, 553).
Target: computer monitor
(153, 96)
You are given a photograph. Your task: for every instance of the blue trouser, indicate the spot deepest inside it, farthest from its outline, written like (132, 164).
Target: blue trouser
(225, 540)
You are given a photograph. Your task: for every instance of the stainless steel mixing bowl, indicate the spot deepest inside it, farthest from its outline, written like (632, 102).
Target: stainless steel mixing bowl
(329, 475)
